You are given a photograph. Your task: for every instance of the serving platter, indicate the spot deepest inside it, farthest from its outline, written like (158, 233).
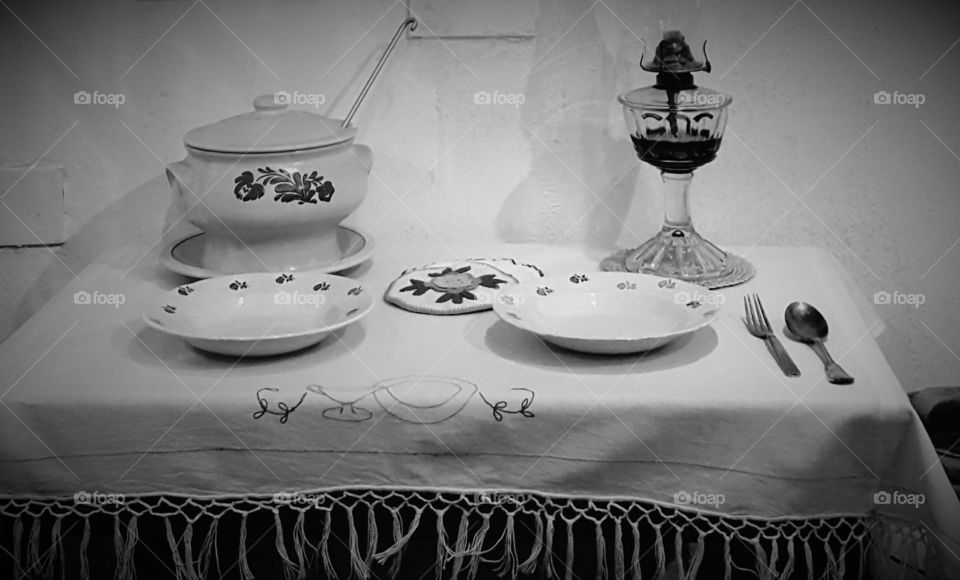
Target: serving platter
(608, 312)
(182, 255)
(259, 314)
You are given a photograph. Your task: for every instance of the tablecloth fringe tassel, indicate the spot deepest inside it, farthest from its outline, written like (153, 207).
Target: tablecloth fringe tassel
(124, 548)
(697, 558)
(548, 547)
(791, 557)
(84, 543)
(400, 539)
(245, 572)
(529, 565)
(509, 562)
(660, 552)
(440, 558)
(325, 546)
(290, 569)
(635, 561)
(357, 565)
(601, 552)
(619, 566)
(209, 551)
(373, 537)
(460, 547)
(476, 547)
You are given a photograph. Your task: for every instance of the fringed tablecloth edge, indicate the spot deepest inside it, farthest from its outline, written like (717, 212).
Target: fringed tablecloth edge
(903, 545)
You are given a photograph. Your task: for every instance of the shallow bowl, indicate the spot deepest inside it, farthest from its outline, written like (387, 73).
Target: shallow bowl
(259, 314)
(608, 312)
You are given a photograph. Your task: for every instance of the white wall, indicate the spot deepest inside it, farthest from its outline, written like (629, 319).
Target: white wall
(802, 97)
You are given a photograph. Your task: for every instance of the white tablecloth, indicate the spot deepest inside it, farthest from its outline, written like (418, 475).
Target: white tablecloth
(95, 401)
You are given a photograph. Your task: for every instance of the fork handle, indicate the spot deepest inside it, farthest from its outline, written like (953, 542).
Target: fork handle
(835, 373)
(780, 355)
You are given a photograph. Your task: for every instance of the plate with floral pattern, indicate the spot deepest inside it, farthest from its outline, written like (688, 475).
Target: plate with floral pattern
(259, 314)
(608, 312)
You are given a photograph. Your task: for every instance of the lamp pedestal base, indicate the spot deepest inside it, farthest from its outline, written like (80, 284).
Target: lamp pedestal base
(677, 250)
(681, 253)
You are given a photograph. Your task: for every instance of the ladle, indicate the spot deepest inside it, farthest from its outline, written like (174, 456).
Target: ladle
(410, 23)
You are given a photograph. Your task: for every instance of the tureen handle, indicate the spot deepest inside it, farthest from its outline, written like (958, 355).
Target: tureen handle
(178, 175)
(365, 154)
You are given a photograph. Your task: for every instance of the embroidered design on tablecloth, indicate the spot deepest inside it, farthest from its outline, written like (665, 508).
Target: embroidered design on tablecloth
(283, 409)
(435, 399)
(426, 400)
(501, 407)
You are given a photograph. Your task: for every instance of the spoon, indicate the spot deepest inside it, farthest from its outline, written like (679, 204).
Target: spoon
(806, 324)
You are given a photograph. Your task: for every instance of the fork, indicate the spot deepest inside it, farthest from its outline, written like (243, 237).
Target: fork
(758, 325)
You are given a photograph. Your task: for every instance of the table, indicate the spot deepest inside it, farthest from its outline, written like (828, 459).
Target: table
(102, 414)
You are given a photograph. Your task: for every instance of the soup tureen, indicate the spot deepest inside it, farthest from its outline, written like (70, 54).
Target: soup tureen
(269, 187)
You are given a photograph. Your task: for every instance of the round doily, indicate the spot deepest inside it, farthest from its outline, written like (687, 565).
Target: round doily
(449, 288)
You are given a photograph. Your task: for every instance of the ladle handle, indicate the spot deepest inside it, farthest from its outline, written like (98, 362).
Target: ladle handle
(409, 22)
(835, 373)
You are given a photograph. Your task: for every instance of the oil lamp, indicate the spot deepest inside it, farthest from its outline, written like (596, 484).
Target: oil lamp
(677, 126)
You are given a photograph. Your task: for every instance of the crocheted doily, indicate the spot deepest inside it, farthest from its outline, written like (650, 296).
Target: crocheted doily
(457, 287)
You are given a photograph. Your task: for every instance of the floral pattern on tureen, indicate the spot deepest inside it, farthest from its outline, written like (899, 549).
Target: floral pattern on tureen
(288, 186)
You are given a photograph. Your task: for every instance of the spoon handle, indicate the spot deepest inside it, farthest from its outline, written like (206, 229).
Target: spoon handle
(835, 373)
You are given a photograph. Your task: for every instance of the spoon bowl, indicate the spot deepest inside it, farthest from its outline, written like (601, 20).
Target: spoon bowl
(806, 324)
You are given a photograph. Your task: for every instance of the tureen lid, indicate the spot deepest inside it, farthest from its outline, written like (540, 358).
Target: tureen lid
(271, 127)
